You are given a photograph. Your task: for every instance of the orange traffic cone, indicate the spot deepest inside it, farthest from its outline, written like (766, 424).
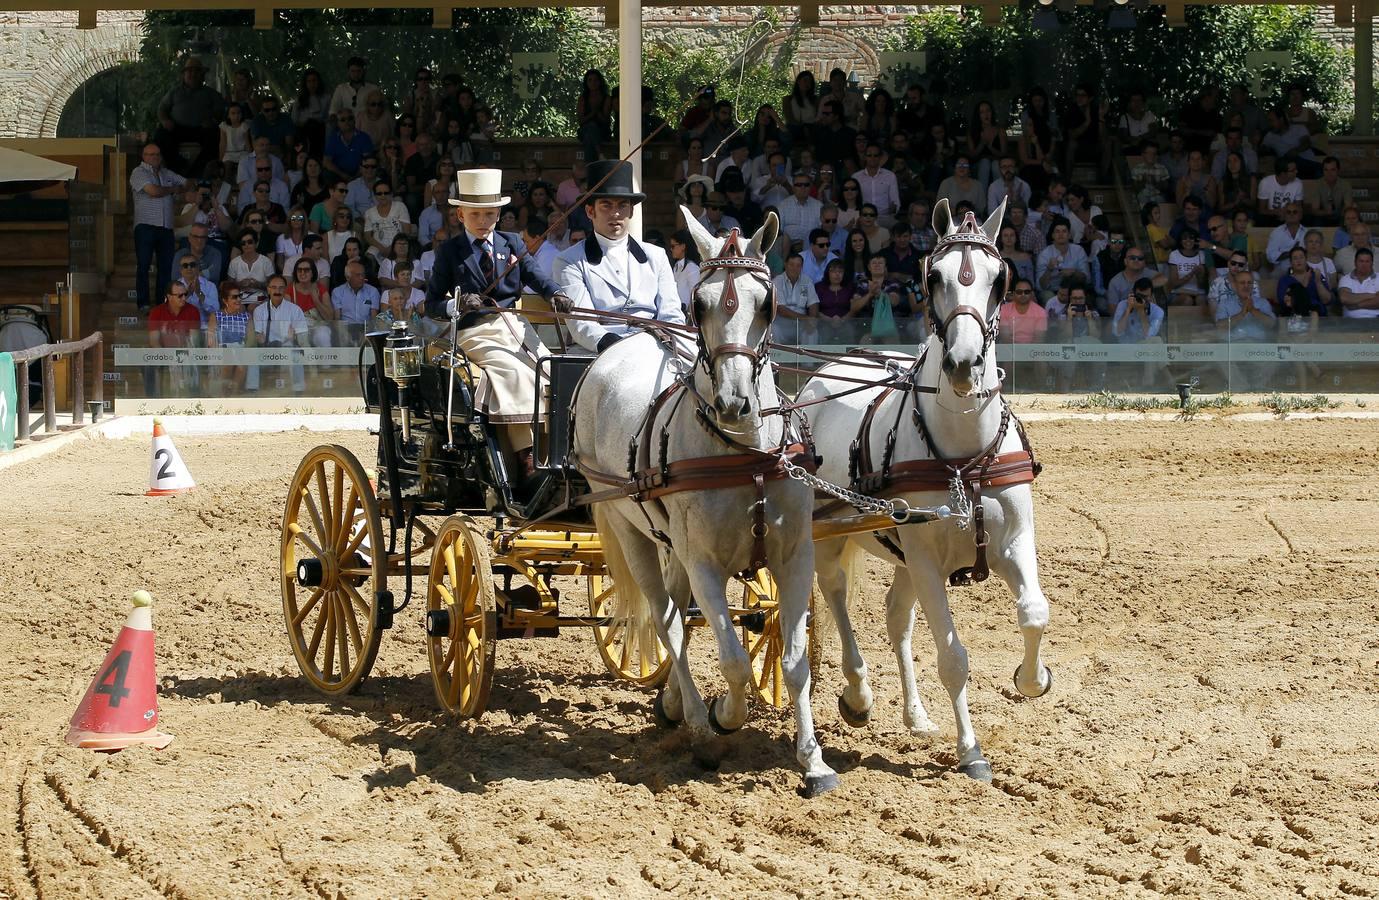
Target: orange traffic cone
(121, 705)
(167, 473)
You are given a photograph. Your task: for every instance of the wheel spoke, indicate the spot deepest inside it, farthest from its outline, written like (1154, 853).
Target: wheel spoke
(311, 602)
(341, 515)
(326, 505)
(626, 655)
(328, 610)
(472, 637)
(302, 536)
(448, 556)
(314, 644)
(445, 594)
(315, 513)
(357, 598)
(610, 634)
(347, 514)
(351, 621)
(452, 694)
(342, 635)
(354, 542)
(449, 656)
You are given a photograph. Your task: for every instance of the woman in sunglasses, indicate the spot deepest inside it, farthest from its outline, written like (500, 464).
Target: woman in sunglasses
(385, 220)
(849, 203)
(229, 328)
(289, 243)
(306, 290)
(250, 270)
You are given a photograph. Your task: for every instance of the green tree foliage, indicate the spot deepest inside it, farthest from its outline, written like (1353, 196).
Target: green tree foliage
(1169, 64)
(478, 48)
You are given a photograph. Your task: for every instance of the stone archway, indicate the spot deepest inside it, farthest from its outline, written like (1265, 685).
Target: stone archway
(822, 49)
(48, 58)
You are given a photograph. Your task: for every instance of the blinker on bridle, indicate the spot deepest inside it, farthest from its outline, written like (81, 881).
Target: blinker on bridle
(731, 256)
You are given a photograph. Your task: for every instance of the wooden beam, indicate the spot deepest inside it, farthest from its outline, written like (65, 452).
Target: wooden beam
(991, 15)
(1176, 14)
(611, 16)
(86, 19)
(263, 18)
(442, 17)
(809, 15)
(1345, 14)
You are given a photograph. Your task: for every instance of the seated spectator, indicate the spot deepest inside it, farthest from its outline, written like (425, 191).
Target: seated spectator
(1149, 177)
(818, 254)
(1009, 186)
(1241, 239)
(1061, 259)
(878, 238)
(400, 253)
(1314, 243)
(290, 242)
(1359, 238)
(1122, 284)
(1021, 263)
(1240, 316)
(353, 252)
(355, 299)
(234, 136)
(1138, 123)
(1290, 141)
(594, 114)
(279, 324)
(1175, 160)
(1198, 182)
(1200, 121)
(432, 220)
(799, 213)
(740, 206)
(201, 291)
(1162, 243)
(341, 230)
(1284, 238)
(314, 188)
(760, 163)
(229, 327)
(962, 187)
(1107, 263)
(735, 156)
(1360, 288)
(1222, 285)
(1350, 217)
(251, 269)
(1023, 320)
(797, 305)
(684, 265)
(255, 223)
(835, 293)
(1031, 236)
(1328, 196)
(375, 119)
(274, 214)
(1194, 219)
(313, 252)
(405, 280)
(902, 261)
(1083, 321)
(1237, 187)
(569, 190)
(1278, 190)
(881, 190)
(270, 123)
(1081, 214)
(422, 273)
(346, 147)
(1137, 318)
(173, 323)
(260, 165)
(1297, 314)
(202, 209)
(1300, 273)
(1252, 120)
(1053, 203)
(879, 299)
(199, 248)
(307, 291)
(715, 219)
(360, 191)
(1218, 242)
(386, 219)
(189, 113)
(539, 204)
(1235, 142)
(1085, 130)
(1299, 114)
(1189, 272)
(775, 185)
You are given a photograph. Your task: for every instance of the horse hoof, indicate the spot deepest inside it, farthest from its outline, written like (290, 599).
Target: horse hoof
(1048, 682)
(979, 770)
(850, 716)
(707, 757)
(926, 730)
(814, 785)
(713, 719)
(658, 707)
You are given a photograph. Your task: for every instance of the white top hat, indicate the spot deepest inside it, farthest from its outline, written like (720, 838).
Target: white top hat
(480, 188)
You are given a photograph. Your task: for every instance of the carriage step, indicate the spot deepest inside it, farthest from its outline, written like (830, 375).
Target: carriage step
(384, 609)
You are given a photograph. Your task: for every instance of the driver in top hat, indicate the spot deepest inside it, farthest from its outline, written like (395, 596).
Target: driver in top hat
(480, 269)
(609, 271)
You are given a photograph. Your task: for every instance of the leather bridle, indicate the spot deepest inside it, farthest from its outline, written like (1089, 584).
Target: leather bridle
(731, 257)
(968, 236)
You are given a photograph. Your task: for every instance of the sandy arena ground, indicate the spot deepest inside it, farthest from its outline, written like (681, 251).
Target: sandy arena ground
(1212, 729)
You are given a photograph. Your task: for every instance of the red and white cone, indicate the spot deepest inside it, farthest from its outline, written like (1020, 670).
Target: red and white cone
(167, 474)
(120, 708)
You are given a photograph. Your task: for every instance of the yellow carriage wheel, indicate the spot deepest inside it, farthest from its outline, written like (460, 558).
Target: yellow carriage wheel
(333, 567)
(766, 647)
(630, 647)
(461, 618)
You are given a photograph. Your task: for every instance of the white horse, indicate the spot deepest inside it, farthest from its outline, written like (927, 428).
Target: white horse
(712, 531)
(947, 406)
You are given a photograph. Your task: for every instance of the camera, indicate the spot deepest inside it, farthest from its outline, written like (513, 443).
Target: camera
(1078, 309)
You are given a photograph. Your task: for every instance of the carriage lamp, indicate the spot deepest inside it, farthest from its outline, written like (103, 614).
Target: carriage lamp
(401, 355)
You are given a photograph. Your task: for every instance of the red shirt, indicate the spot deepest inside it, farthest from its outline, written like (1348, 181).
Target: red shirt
(1024, 328)
(174, 328)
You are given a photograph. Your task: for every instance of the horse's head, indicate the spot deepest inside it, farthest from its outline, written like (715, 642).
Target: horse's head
(733, 307)
(967, 280)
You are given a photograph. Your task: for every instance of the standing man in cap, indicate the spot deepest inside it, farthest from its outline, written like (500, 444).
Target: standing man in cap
(609, 271)
(481, 268)
(190, 112)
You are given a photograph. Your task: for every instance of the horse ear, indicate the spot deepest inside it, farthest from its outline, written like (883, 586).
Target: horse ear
(992, 228)
(765, 237)
(707, 243)
(943, 217)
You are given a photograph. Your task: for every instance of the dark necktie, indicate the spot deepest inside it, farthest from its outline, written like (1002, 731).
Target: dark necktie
(486, 263)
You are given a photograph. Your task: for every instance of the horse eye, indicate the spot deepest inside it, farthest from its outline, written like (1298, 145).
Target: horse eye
(699, 307)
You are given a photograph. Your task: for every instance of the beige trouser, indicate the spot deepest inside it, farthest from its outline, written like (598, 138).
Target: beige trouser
(506, 349)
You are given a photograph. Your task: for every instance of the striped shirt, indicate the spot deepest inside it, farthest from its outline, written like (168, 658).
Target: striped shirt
(231, 328)
(153, 210)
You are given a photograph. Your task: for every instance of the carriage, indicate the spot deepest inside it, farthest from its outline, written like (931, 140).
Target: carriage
(439, 513)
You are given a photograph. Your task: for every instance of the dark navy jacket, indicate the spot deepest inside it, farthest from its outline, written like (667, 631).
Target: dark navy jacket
(457, 265)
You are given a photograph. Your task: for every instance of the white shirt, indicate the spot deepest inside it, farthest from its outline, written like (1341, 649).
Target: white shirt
(1276, 195)
(615, 252)
(798, 219)
(1138, 127)
(686, 277)
(279, 323)
(1369, 286)
(260, 270)
(1019, 190)
(796, 297)
(880, 190)
(814, 268)
(1282, 242)
(383, 227)
(422, 273)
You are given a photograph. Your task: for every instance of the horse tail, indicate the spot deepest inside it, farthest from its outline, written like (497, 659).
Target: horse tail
(630, 605)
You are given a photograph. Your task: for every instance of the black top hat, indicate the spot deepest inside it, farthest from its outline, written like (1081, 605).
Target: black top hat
(618, 184)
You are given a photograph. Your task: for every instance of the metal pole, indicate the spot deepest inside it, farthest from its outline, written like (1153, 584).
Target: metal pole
(630, 96)
(1364, 67)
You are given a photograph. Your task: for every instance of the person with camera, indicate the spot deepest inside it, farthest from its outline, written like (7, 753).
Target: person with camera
(278, 323)
(1138, 318)
(483, 269)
